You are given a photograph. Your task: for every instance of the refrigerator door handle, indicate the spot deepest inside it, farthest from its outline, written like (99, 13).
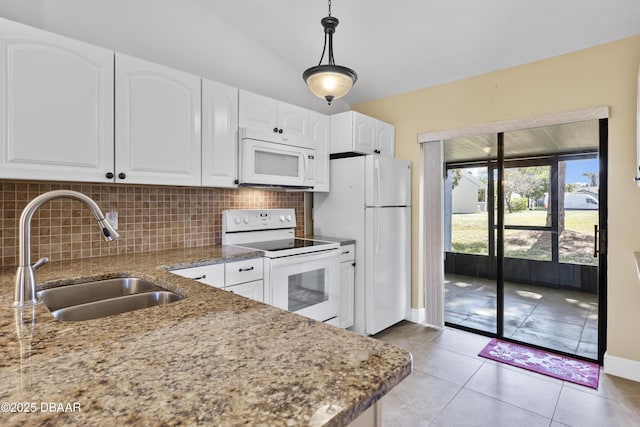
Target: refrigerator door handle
(376, 238)
(376, 168)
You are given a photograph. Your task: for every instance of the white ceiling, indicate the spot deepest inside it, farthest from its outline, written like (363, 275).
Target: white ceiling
(404, 45)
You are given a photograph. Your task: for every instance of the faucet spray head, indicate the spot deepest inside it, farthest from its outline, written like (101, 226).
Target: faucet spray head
(108, 232)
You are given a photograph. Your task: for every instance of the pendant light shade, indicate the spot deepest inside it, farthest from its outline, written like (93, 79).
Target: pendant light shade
(329, 81)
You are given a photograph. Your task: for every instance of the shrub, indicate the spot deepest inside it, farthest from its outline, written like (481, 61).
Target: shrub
(519, 204)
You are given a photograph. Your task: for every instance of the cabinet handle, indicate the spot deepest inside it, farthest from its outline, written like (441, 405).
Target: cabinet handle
(353, 265)
(376, 151)
(204, 276)
(109, 175)
(345, 252)
(275, 130)
(122, 175)
(280, 131)
(245, 269)
(236, 182)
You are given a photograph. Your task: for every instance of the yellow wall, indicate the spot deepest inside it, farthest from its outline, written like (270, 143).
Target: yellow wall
(603, 75)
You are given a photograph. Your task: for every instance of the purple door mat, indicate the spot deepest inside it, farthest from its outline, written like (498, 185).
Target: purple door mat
(545, 363)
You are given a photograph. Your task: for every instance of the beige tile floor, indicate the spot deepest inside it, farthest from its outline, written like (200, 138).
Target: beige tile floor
(451, 386)
(556, 319)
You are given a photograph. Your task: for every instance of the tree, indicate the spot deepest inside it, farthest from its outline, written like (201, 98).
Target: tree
(456, 176)
(529, 182)
(592, 178)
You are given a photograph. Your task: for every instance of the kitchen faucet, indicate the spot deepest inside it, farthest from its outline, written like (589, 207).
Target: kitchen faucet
(25, 291)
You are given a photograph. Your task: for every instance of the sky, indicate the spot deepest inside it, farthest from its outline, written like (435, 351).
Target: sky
(576, 168)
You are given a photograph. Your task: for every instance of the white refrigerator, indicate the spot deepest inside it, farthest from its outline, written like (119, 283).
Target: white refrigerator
(370, 201)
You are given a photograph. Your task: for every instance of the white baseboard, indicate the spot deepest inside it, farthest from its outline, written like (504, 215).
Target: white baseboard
(625, 368)
(417, 315)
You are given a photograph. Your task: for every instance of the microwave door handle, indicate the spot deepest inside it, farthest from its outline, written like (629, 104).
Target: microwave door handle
(306, 168)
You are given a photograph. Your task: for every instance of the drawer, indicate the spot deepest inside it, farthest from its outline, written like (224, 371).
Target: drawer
(243, 271)
(253, 290)
(347, 253)
(212, 275)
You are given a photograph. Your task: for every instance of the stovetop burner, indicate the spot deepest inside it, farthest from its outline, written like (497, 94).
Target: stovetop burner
(281, 245)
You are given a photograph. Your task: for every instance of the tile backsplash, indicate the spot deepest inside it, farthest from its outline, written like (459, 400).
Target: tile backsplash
(150, 218)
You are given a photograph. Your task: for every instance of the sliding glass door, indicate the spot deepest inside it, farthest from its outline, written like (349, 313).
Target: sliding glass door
(470, 251)
(524, 254)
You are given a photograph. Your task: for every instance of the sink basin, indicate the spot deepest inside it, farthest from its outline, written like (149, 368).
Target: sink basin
(102, 298)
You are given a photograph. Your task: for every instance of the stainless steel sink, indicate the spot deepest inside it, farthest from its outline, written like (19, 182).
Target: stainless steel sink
(102, 298)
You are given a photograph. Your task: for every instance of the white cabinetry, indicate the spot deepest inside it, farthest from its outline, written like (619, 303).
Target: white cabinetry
(347, 286)
(157, 124)
(385, 138)
(253, 290)
(282, 122)
(353, 132)
(212, 275)
(56, 106)
(219, 134)
(244, 277)
(320, 134)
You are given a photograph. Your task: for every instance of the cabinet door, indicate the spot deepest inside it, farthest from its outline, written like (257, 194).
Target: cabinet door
(219, 134)
(253, 290)
(157, 124)
(319, 134)
(347, 290)
(212, 275)
(385, 138)
(56, 108)
(364, 133)
(294, 122)
(257, 112)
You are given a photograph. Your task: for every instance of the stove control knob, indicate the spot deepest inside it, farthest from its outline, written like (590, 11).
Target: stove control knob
(237, 220)
(246, 220)
(281, 218)
(289, 218)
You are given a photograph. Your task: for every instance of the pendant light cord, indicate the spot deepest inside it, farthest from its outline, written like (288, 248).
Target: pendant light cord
(331, 61)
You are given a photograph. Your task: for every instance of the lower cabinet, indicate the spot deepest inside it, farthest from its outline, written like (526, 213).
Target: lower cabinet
(347, 286)
(242, 277)
(253, 290)
(212, 275)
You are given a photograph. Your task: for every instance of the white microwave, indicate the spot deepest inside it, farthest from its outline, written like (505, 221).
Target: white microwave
(271, 164)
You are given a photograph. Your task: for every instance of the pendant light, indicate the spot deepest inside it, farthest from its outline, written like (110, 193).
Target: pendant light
(329, 81)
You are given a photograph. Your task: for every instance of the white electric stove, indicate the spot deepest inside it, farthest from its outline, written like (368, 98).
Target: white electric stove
(301, 275)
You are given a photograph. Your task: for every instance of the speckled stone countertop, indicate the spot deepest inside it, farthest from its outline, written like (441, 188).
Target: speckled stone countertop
(340, 240)
(213, 358)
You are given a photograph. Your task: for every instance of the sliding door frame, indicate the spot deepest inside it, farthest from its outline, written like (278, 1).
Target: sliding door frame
(598, 113)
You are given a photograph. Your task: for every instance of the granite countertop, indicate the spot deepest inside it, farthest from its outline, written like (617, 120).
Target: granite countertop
(340, 240)
(214, 358)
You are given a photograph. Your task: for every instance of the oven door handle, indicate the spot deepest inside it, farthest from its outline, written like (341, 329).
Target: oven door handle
(312, 256)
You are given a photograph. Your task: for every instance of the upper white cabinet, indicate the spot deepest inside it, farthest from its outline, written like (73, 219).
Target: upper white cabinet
(219, 134)
(320, 134)
(56, 106)
(353, 132)
(157, 124)
(385, 138)
(284, 123)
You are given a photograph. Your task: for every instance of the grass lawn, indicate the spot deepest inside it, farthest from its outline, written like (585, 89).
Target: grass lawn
(469, 235)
